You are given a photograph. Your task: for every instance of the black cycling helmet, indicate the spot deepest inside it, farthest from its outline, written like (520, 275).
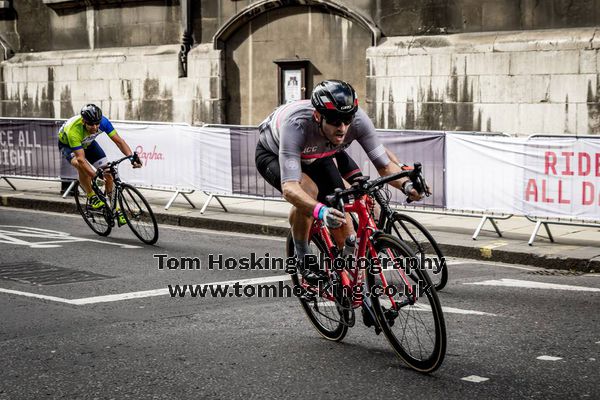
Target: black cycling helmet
(335, 100)
(91, 114)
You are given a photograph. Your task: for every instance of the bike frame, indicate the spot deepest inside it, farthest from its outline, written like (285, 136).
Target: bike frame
(112, 169)
(366, 232)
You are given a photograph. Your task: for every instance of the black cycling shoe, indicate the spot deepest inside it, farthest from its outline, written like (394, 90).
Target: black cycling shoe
(367, 318)
(312, 275)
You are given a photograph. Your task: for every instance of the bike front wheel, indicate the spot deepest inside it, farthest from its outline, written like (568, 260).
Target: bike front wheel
(329, 318)
(138, 214)
(97, 220)
(418, 238)
(407, 306)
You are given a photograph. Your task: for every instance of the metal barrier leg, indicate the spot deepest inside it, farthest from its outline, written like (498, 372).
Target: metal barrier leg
(483, 218)
(221, 203)
(188, 200)
(71, 186)
(172, 199)
(534, 233)
(207, 202)
(546, 225)
(482, 222)
(9, 183)
(536, 230)
(496, 227)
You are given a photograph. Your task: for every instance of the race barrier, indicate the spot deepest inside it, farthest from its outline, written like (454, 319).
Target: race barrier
(490, 176)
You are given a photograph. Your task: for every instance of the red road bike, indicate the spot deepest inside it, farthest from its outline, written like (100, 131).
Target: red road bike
(383, 277)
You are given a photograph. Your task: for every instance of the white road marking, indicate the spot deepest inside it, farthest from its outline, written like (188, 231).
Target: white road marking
(164, 226)
(533, 285)
(13, 234)
(165, 291)
(548, 358)
(35, 295)
(452, 310)
(474, 378)
(141, 294)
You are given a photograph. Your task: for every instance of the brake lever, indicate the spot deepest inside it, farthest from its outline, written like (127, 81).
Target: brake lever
(340, 200)
(418, 180)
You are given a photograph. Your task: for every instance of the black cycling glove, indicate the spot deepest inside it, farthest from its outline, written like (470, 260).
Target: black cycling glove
(134, 158)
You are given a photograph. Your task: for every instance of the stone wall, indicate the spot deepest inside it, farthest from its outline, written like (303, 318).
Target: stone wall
(411, 17)
(135, 83)
(522, 82)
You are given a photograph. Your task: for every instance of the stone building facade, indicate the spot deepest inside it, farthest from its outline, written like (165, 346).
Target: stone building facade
(517, 66)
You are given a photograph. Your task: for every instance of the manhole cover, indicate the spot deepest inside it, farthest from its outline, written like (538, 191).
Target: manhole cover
(556, 272)
(37, 273)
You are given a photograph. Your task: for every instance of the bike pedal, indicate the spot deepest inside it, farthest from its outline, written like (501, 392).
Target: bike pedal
(290, 269)
(308, 296)
(390, 316)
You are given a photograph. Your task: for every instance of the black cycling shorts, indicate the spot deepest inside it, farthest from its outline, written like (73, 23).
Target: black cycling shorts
(347, 166)
(322, 171)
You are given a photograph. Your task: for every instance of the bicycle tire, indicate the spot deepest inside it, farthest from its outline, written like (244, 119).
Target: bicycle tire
(331, 327)
(95, 219)
(407, 325)
(413, 233)
(138, 214)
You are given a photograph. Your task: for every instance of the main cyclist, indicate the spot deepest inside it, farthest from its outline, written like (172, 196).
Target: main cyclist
(295, 152)
(77, 144)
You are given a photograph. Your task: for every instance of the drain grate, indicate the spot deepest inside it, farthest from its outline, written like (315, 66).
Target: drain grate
(37, 273)
(556, 272)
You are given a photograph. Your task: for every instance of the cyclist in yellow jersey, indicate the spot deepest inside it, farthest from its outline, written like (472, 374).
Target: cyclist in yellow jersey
(77, 144)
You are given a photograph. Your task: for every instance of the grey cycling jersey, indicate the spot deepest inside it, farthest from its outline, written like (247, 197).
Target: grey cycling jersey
(292, 132)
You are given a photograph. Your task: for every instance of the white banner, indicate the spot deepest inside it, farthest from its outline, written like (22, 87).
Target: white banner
(174, 156)
(483, 173)
(537, 177)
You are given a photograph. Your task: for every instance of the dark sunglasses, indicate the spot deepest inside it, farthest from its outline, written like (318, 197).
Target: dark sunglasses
(339, 121)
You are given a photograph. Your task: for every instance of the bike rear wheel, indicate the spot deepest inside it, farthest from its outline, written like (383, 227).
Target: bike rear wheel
(97, 220)
(328, 318)
(138, 214)
(415, 235)
(414, 325)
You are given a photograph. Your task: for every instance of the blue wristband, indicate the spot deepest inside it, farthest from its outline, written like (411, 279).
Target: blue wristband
(322, 212)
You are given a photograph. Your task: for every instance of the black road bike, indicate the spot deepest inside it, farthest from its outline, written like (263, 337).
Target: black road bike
(135, 208)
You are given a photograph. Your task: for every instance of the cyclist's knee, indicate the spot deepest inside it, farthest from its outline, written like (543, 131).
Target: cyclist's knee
(79, 164)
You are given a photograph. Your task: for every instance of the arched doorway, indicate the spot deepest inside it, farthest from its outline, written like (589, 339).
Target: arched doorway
(330, 38)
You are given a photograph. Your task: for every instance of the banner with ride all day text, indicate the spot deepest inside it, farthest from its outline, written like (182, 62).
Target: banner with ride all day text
(562, 177)
(540, 177)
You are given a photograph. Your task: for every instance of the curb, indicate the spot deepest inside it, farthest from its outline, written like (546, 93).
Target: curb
(473, 252)
(521, 257)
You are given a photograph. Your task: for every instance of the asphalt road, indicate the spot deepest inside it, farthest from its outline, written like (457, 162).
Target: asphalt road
(79, 332)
